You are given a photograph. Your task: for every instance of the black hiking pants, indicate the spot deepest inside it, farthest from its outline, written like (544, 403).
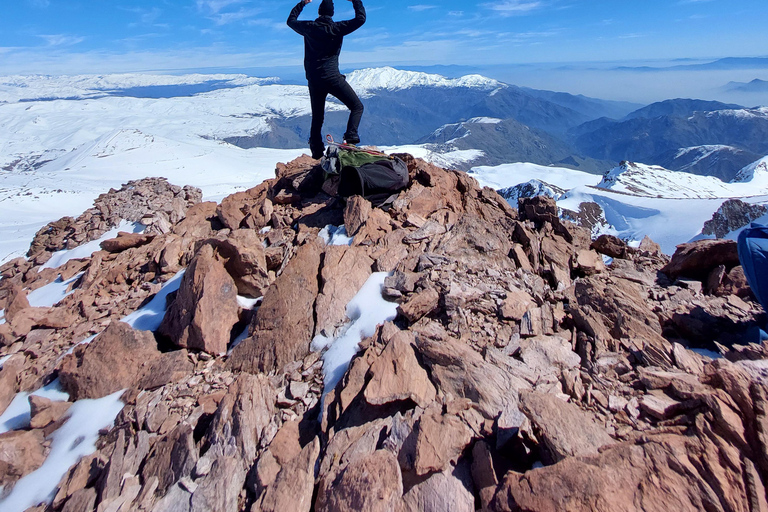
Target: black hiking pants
(337, 86)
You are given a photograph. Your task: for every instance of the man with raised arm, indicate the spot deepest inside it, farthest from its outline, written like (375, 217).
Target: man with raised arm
(322, 46)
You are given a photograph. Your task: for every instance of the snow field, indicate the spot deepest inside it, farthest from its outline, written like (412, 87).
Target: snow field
(73, 440)
(366, 311)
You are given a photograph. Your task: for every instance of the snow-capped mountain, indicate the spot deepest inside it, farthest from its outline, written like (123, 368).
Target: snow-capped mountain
(655, 181)
(756, 174)
(634, 200)
(717, 160)
(367, 81)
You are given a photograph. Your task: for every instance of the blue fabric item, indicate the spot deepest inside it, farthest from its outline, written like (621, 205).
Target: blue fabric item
(753, 254)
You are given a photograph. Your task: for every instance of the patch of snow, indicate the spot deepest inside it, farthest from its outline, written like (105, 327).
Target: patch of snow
(151, 315)
(335, 235)
(4, 359)
(50, 294)
(448, 159)
(2, 316)
(509, 175)
(484, 120)
(72, 441)
(366, 310)
(86, 250)
(72, 348)
(247, 302)
(238, 340)
(16, 416)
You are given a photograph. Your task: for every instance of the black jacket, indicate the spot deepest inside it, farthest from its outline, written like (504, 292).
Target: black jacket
(322, 40)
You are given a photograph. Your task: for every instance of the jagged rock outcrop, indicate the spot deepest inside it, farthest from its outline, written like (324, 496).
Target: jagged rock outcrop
(519, 373)
(152, 202)
(732, 215)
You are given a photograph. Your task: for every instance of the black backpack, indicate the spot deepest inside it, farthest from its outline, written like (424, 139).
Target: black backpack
(370, 174)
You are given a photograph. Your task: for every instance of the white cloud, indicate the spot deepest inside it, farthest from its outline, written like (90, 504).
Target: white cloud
(61, 39)
(214, 6)
(421, 7)
(514, 7)
(225, 18)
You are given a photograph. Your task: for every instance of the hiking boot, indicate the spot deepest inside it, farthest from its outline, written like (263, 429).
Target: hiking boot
(352, 140)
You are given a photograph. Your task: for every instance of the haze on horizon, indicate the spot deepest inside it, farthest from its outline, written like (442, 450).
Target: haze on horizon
(562, 45)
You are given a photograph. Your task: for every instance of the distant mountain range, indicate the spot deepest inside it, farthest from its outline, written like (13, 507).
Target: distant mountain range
(726, 64)
(754, 86)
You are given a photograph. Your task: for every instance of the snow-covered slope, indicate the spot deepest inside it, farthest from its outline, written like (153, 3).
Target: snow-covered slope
(755, 174)
(366, 81)
(652, 180)
(636, 199)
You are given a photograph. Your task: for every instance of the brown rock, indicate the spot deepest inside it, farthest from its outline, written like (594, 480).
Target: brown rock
(610, 246)
(356, 214)
(118, 358)
(246, 261)
(235, 207)
(21, 452)
(697, 259)
(125, 241)
(538, 209)
(516, 305)
(345, 271)
(440, 440)
(205, 309)
(372, 483)
(420, 304)
(396, 375)
(25, 320)
(648, 245)
(588, 262)
(447, 490)
(219, 490)
(82, 500)
(293, 486)
(9, 373)
(458, 370)
(172, 457)
(564, 428)
(545, 353)
(198, 221)
(664, 473)
(44, 411)
(243, 414)
(284, 325)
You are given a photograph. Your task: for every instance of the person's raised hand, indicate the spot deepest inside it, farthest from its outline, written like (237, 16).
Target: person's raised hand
(307, 1)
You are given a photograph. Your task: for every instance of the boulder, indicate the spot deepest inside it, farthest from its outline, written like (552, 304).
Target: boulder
(396, 375)
(345, 270)
(44, 411)
(448, 490)
(356, 214)
(205, 308)
(564, 428)
(245, 260)
(440, 441)
(372, 483)
(120, 357)
(661, 473)
(172, 457)
(21, 452)
(293, 486)
(284, 325)
(242, 415)
(611, 246)
(419, 304)
(538, 209)
(697, 259)
(125, 241)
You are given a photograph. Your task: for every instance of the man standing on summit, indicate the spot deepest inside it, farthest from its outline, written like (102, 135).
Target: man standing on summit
(322, 46)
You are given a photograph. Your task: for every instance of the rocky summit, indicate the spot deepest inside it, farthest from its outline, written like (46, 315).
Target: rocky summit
(524, 366)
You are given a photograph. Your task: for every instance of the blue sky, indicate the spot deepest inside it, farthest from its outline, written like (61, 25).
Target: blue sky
(94, 36)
